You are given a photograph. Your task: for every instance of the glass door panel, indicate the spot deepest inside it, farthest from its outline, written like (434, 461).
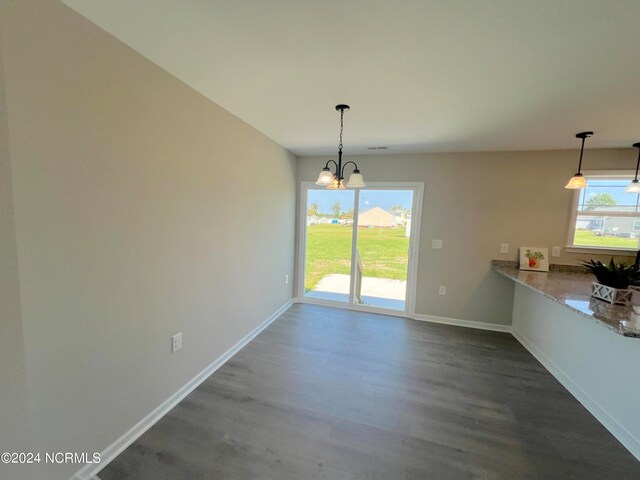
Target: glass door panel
(382, 253)
(329, 234)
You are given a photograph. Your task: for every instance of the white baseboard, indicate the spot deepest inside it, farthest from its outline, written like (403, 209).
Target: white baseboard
(89, 471)
(630, 442)
(494, 327)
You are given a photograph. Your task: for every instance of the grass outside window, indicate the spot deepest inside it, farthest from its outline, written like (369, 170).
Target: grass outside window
(587, 238)
(383, 251)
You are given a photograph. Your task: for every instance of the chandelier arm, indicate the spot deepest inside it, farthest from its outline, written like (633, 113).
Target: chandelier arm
(334, 162)
(343, 167)
(638, 164)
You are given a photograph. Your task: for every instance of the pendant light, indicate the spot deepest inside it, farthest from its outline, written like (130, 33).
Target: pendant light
(634, 186)
(335, 181)
(578, 181)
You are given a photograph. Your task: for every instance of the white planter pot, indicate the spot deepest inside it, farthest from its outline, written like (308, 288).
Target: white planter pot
(611, 295)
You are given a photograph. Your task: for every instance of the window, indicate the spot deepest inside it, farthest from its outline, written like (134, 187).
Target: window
(604, 216)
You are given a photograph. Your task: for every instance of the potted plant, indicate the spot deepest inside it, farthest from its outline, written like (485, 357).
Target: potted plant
(534, 258)
(614, 280)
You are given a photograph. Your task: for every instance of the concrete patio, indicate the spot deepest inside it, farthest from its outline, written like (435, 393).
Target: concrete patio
(376, 292)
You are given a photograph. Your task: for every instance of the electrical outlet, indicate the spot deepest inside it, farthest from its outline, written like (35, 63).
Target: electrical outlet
(504, 248)
(442, 290)
(286, 279)
(555, 251)
(176, 342)
(436, 243)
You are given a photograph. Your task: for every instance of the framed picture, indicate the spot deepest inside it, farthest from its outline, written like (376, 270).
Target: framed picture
(534, 258)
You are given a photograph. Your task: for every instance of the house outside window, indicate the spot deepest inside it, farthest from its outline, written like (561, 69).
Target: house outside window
(604, 216)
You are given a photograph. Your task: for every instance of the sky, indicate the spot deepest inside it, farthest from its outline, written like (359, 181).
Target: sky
(613, 187)
(368, 199)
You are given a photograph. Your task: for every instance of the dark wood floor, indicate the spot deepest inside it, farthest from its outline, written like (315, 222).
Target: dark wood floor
(325, 393)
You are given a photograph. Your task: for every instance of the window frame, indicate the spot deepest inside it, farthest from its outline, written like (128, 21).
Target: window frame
(573, 215)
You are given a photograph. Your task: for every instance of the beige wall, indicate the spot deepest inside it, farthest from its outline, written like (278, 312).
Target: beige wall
(141, 209)
(15, 428)
(474, 202)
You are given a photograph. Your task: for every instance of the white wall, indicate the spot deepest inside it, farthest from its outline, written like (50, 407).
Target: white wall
(141, 209)
(474, 202)
(595, 364)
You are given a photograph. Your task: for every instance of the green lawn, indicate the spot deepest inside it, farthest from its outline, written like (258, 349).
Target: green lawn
(383, 252)
(587, 238)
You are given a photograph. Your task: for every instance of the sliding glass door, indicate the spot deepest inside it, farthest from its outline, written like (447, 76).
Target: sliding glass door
(329, 236)
(357, 246)
(382, 253)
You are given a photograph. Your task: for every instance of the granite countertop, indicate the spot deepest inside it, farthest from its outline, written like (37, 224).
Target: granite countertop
(570, 286)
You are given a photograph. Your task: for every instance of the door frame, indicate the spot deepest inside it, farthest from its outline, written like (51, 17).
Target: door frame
(414, 243)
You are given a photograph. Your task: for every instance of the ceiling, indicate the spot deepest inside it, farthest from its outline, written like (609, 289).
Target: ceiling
(420, 76)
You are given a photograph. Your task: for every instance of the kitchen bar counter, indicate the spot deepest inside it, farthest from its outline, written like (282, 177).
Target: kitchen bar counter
(571, 334)
(571, 286)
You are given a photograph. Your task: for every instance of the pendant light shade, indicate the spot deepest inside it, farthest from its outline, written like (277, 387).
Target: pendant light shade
(578, 181)
(335, 181)
(325, 177)
(634, 186)
(356, 180)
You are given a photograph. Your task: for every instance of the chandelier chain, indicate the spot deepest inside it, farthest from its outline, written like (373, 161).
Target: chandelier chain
(335, 181)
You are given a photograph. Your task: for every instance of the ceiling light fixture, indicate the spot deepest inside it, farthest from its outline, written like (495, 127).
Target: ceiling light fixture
(578, 181)
(634, 186)
(335, 181)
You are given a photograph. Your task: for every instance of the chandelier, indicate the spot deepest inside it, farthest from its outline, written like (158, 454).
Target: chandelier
(335, 180)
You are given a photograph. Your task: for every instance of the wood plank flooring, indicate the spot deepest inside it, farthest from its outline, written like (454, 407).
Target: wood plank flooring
(325, 393)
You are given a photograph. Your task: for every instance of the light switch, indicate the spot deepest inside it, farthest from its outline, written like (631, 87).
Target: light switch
(555, 251)
(436, 243)
(504, 248)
